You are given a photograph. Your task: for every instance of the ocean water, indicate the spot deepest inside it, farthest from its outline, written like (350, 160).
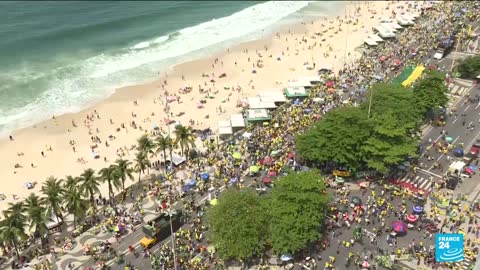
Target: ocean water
(59, 57)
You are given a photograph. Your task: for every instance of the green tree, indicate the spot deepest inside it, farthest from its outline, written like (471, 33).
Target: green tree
(163, 144)
(12, 227)
(396, 98)
(298, 206)
(146, 145)
(70, 181)
(125, 170)
(184, 138)
(238, 225)
(469, 67)
(53, 191)
(111, 175)
(338, 137)
(389, 143)
(37, 215)
(141, 164)
(76, 204)
(430, 92)
(89, 185)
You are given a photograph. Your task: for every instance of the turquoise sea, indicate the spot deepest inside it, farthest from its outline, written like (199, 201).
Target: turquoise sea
(58, 57)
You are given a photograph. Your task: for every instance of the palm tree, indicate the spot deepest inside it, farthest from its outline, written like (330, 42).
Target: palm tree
(54, 191)
(12, 228)
(163, 143)
(125, 170)
(75, 203)
(111, 175)
(89, 185)
(37, 215)
(145, 145)
(70, 181)
(184, 137)
(141, 164)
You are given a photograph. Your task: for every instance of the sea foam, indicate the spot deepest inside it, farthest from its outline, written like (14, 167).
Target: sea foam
(78, 84)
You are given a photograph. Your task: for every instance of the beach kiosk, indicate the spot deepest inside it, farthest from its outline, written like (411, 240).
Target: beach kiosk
(237, 122)
(258, 115)
(384, 32)
(370, 42)
(314, 80)
(375, 38)
(224, 129)
(257, 103)
(404, 22)
(300, 83)
(295, 92)
(275, 96)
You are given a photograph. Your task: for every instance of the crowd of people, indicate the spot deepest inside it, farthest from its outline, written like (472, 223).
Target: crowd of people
(271, 146)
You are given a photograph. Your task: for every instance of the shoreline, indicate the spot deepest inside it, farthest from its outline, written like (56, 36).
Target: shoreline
(56, 133)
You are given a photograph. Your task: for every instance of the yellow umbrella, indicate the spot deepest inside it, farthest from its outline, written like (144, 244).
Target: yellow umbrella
(237, 155)
(214, 202)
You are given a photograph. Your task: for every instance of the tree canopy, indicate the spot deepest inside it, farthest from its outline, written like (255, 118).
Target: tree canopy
(469, 67)
(336, 137)
(430, 92)
(297, 208)
(238, 225)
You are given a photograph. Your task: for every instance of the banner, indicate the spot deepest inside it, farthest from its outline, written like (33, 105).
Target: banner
(449, 247)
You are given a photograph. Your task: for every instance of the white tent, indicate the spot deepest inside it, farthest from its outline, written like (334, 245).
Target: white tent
(222, 131)
(383, 32)
(272, 96)
(370, 42)
(375, 38)
(396, 25)
(409, 17)
(389, 27)
(257, 103)
(237, 121)
(405, 22)
(177, 160)
(258, 115)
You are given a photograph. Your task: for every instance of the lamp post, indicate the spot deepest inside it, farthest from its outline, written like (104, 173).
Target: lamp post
(172, 237)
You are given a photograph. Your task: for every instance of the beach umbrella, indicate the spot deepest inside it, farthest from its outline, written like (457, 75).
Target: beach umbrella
(329, 84)
(417, 209)
(272, 174)
(234, 180)
(362, 184)
(192, 182)
(296, 101)
(411, 218)
(399, 227)
(254, 169)
(274, 153)
(237, 155)
(331, 90)
(458, 152)
(340, 180)
(205, 176)
(286, 257)
(365, 264)
(382, 58)
(356, 200)
(214, 202)
(473, 167)
(267, 180)
(186, 188)
(267, 160)
(449, 139)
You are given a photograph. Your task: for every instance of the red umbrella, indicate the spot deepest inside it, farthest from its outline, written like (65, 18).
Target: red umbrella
(267, 180)
(267, 160)
(272, 174)
(383, 58)
(363, 184)
(397, 62)
(329, 84)
(411, 218)
(365, 264)
(399, 227)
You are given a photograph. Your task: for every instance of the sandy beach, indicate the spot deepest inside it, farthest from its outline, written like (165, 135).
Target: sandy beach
(62, 145)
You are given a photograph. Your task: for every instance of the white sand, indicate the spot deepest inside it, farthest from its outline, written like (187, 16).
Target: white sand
(294, 52)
